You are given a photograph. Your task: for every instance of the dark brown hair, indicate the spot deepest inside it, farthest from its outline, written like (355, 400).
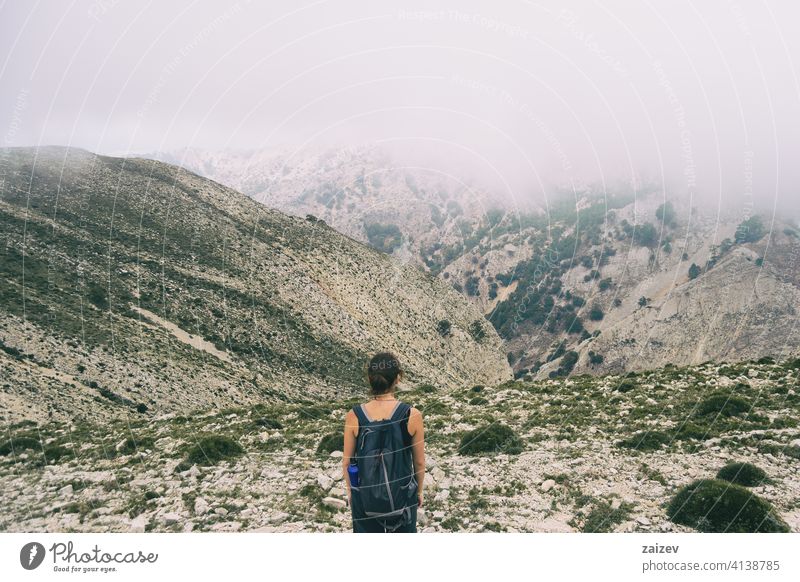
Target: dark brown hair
(382, 371)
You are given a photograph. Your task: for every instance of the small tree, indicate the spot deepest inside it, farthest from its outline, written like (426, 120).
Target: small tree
(645, 235)
(477, 331)
(444, 328)
(750, 230)
(694, 271)
(596, 313)
(666, 214)
(643, 301)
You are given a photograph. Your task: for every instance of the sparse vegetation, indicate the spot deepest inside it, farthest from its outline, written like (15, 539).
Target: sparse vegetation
(269, 423)
(16, 445)
(331, 442)
(212, 449)
(651, 440)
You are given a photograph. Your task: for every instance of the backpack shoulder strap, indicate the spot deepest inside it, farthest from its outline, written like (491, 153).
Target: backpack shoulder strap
(401, 411)
(361, 415)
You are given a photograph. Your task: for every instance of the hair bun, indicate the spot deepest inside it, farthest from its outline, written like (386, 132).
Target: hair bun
(383, 371)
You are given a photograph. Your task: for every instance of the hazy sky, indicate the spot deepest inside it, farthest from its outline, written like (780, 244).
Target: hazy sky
(701, 96)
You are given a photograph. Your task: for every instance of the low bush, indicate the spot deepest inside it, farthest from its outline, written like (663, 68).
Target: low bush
(478, 400)
(18, 444)
(266, 422)
(212, 449)
(56, 453)
(723, 405)
(626, 386)
(690, 430)
(603, 517)
(650, 440)
(331, 442)
(492, 438)
(742, 474)
(713, 505)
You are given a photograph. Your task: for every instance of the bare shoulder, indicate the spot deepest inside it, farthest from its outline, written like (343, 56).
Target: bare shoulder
(415, 413)
(351, 420)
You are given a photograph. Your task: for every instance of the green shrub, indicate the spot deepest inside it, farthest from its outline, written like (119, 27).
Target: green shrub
(426, 388)
(723, 405)
(742, 474)
(713, 505)
(690, 430)
(384, 237)
(478, 400)
(212, 449)
(477, 388)
(315, 411)
(625, 386)
(492, 438)
(18, 444)
(433, 407)
(650, 440)
(477, 331)
(331, 442)
(596, 313)
(603, 517)
(270, 423)
(750, 230)
(55, 453)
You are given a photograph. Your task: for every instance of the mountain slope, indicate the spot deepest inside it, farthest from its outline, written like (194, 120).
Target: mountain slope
(562, 287)
(131, 284)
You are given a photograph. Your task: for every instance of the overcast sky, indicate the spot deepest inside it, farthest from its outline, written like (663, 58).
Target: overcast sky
(703, 97)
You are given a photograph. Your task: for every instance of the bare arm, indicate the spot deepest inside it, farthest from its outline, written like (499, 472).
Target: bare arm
(417, 432)
(350, 432)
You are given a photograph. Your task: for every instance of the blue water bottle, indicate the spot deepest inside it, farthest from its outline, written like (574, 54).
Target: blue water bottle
(352, 473)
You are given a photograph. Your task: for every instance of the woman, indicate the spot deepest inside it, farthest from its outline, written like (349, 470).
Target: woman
(401, 442)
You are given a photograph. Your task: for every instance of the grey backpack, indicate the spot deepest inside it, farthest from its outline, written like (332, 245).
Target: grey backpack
(387, 487)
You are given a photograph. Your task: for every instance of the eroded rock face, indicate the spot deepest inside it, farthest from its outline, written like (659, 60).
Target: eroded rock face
(738, 310)
(151, 289)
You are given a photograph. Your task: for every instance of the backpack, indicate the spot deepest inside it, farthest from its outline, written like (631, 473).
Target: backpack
(387, 486)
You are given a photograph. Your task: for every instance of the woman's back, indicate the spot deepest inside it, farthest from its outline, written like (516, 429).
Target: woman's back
(380, 409)
(384, 453)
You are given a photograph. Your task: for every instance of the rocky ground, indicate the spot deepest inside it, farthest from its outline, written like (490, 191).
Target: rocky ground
(598, 454)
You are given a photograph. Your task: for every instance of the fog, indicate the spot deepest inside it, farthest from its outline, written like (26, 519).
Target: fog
(701, 99)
